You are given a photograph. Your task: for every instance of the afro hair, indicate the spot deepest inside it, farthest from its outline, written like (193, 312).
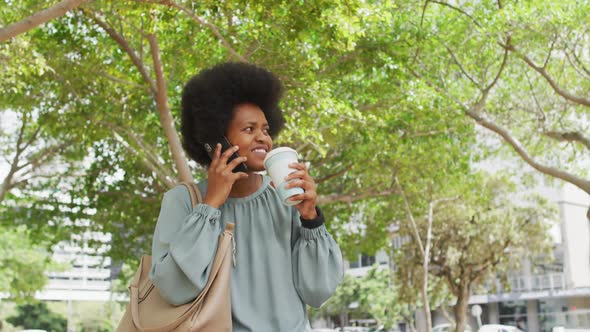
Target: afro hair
(209, 99)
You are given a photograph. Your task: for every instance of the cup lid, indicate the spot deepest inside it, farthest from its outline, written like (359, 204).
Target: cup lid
(279, 150)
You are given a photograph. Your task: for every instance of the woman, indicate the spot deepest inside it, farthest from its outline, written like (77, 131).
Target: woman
(285, 256)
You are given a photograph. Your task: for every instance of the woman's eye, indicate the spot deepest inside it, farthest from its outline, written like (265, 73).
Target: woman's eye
(248, 129)
(266, 131)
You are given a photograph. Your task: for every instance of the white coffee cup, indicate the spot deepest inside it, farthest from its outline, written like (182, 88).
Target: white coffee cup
(277, 163)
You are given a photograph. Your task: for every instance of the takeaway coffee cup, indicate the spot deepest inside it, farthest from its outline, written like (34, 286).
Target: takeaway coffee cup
(277, 163)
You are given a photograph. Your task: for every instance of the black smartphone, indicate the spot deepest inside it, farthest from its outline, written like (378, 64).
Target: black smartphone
(225, 144)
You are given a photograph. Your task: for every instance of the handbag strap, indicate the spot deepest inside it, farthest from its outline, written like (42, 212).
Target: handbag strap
(226, 241)
(194, 192)
(223, 247)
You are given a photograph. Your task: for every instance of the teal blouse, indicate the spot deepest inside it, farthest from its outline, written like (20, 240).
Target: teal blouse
(281, 266)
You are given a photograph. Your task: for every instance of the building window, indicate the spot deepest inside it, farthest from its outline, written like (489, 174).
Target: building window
(514, 313)
(367, 260)
(362, 261)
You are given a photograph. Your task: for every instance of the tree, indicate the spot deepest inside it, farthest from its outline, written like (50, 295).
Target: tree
(103, 91)
(38, 316)
(38, 18)
(424, 245)
(23, 264)
(476, 238)
(373, 295)
(378, 296)
(520, 70)
(339, 303)
(31, 159)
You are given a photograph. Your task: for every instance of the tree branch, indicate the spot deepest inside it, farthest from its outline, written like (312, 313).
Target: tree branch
(459, 10)
(119, 39)
(459, 63)
(541, 114)
(445, 312)
(36, 176)
(565, 94)
(333, 175)
(122, 81)
(581, 71)
(33, 21)
(184, 173)
(580, 63)
(412, 220)
(577, 181)
(148, 163)
(500, 70)
(491, 261)
(479, 119)
(41, 156)
(201, 21)
(7, 183)
(150, 160)
(569, 136)
(423, 13)
(548, 53)
(32, 138)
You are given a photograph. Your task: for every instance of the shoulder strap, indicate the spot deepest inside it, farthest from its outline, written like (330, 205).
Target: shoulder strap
(195, 193)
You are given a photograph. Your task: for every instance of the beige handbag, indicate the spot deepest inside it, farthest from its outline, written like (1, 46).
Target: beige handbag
(210, 311)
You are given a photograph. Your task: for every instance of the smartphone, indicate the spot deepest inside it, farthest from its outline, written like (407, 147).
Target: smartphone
(225, 144)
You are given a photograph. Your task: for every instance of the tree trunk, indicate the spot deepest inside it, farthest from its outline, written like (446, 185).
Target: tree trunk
(38, 18)
(5, 187)
(344, 318)
(184, 173)
(460, 309)
(426, 304)
(445, 312)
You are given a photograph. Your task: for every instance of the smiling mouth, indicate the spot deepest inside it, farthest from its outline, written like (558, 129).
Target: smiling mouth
(260, 148)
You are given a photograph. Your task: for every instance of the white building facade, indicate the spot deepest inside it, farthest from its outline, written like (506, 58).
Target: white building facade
(559, 296)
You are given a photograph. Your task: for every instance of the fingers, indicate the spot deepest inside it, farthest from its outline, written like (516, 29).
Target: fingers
(234, 163)
(305, 185)
(299, 166)
(240, 175)
(300, 178)
(301, 172)
(216, 154)
(221, 167)
(226, 154)
(308, 196)
(295, 175)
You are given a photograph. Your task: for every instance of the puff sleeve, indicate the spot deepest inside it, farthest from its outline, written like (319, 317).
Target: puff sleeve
(184, 246)
(317, 261)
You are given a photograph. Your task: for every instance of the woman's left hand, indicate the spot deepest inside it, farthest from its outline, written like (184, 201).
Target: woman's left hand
(302, 179)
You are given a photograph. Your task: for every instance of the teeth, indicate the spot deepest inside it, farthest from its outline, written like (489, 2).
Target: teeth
(259, 150)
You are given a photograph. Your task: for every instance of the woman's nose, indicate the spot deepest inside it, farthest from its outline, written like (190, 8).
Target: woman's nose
(261, 136)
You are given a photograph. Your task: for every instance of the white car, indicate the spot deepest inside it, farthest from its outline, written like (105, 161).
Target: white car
(448, 328)
(355, 329)
(498, 328)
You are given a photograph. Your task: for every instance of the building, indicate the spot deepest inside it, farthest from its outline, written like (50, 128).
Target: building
(557, 296)
(87, 276)
(560, 296)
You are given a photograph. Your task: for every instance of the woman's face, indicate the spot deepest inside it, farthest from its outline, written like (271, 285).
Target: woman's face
(248, 129)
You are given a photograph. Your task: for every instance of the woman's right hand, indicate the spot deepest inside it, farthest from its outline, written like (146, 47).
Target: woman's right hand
(221, 177)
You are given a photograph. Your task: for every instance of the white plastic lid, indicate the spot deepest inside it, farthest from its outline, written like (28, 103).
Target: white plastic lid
(279, 150)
